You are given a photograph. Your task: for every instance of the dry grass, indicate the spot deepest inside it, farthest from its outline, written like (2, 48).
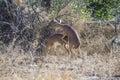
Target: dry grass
(95, 62)
(17, 66)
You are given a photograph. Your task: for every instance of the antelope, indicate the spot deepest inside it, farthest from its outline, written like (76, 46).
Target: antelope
(73, 38)
(55, 38)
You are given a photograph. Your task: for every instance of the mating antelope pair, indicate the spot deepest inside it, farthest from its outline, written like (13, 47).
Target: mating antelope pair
(69, 37)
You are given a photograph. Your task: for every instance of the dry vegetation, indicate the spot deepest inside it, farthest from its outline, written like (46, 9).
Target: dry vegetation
(23, 58)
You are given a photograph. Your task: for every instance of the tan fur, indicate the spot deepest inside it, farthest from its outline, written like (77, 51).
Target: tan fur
(52, 40)
(73, 38)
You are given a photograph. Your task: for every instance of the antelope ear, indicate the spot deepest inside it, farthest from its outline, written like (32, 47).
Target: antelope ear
(55, 21)
(58, 21)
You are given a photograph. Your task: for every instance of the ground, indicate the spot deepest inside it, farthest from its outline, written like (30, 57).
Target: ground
(19, 66)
